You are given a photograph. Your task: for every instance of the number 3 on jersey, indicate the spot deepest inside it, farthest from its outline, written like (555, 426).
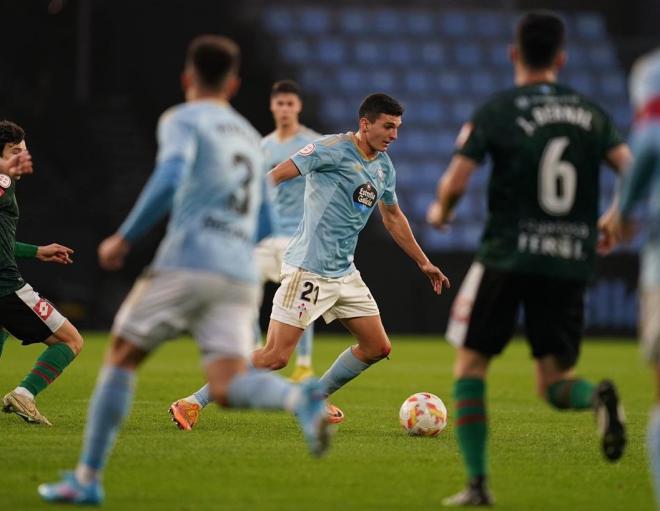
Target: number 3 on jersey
(557, 179)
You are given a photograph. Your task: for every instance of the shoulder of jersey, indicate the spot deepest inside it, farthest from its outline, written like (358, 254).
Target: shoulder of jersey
(172, 112)
(333, 140)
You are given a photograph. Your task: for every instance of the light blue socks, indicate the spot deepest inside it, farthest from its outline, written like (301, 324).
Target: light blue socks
(343, 370)
(261, 389)
(653, 446)
(108, 408)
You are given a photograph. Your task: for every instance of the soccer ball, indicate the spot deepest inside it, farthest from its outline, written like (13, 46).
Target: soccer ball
(423, 414)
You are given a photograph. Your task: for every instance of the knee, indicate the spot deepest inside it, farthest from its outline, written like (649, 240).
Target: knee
(74, 341)
(379, 351)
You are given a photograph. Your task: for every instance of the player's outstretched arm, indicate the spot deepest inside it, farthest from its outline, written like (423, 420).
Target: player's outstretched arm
(610, 223)
(283, 172)
(54, 253)
(17, 165)
(451, 188)
(399, 228)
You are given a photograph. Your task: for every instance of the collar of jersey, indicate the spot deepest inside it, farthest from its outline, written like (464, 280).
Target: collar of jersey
(360, 151)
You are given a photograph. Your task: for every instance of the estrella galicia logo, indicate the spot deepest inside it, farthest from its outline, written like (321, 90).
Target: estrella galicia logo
(364, 196)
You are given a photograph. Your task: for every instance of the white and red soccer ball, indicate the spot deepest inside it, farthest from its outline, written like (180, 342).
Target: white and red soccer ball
(423, 414)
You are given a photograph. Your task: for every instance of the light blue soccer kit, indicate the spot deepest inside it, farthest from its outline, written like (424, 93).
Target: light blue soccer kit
(643, 180)
(287, 203)
(342, 189)
(210, 176)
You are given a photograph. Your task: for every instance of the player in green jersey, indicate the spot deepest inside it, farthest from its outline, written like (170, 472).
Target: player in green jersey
(546, 143)
(23, 313)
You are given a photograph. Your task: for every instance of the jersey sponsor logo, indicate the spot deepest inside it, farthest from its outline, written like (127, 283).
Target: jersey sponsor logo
(43, 308)
(307, 150)
(364, 196)
(5, 181)
(463, 135)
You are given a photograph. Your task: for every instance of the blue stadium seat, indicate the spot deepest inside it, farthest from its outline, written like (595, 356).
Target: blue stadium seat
(354, 21)
(331, 51)
(386, 21)
(369, 52)
(493, 24)
(432, 53)
(602, 56)
(498, 53)
(613, 85)
(482, 83)
(468, 54)
(337, 111)
(578, 58)
(351, 80)
(419, 23)
(590, 26)
(295, 51)
(448, 82)
(400, 52)
(315, 80)
(381, 81)
(314, 20)
(456, 24)
(462, 111)
(279, 20)
(418, 82)
(582, 82)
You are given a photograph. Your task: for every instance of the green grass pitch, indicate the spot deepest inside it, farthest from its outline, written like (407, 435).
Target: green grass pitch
(238, 460)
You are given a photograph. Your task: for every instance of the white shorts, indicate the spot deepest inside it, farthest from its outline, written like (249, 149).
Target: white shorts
(650, 323)
(269, 254)
(217, 311)
(304, 296)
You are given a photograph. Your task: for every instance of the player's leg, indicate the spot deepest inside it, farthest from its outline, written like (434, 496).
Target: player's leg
(3, 338)
(34, 319)
(303, 368)
(156, 309)
(650, 336)
(481, 323)
(554, 310)
(224, 334)
(108, 408)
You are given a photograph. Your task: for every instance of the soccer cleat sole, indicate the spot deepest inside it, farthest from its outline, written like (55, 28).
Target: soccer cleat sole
(610, 419)
(178, 419)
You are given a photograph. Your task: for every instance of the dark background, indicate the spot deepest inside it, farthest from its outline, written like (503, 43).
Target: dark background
(88, 80)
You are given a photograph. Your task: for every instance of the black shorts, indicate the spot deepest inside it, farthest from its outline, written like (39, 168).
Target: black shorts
(484, 313)
(28, 317)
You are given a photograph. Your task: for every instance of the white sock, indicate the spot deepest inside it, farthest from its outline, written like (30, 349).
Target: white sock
(192, 399)
(304, 360)
(85, 474)
(24, 392)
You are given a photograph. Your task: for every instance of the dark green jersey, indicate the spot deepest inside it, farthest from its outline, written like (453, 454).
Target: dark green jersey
(10, 278)
(546, 143)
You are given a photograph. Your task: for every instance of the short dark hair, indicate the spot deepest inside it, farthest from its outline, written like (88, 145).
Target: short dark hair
(213, 58)
(540, 35)
(285, 87)
(10, 133)
(375, 104)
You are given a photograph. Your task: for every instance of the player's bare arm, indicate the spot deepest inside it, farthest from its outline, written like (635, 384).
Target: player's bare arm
(112, 252)
(399, 228)
(609, 224)
(451, 188)
(54, 253)
(283, 172)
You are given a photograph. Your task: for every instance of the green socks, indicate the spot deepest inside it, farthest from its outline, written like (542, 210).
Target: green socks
(471, 426)
(3, 337)
(571, 394)
(48, 367)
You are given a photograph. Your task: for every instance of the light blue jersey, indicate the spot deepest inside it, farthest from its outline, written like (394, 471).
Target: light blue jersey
(342, 189)
(288, 196)
(643, 178)
(210, 177)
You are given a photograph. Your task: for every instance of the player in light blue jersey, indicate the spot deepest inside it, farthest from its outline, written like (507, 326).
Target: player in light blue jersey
(643, 180)
(347, 175)
(209, 175)
(289, 136)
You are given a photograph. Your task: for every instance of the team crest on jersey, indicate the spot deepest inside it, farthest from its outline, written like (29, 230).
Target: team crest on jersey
(380, 174)
(307, 150)
(364, 196)
(5, 181)
(522, 102)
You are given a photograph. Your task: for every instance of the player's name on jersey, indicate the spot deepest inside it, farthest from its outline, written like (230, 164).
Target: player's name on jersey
(237, 129)
(554, 239)
(218, 224)
(556, 114)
